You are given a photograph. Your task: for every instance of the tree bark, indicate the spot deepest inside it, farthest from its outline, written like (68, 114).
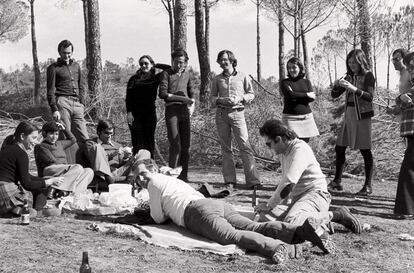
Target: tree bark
(180, 25)
(36, 69)
(365, 29)
(171, 24)
(281, 43)
(202, 50)
(86, 27)
(259, 66)
(95, 71)
(305, 54)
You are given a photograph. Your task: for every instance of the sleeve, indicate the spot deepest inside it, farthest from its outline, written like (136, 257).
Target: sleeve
(24, 177)
(50, 85)
(155, 202)
(297, 164)
(128, 97)
(190, 85)
(81, 85)
(163, 88)
(162, 66)
(248, 95)
(337, 91)
(289, 93)
(369, 86)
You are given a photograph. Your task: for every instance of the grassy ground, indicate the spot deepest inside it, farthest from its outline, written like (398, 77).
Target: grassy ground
(56, 244)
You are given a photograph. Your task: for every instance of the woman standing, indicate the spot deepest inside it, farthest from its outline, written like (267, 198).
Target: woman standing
(358, 85)
(14, 172)
(297, 94)
(140, 104)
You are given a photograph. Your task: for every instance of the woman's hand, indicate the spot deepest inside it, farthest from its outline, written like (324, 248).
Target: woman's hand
(346, 84)
(311, 95)
(262, 207)
(54, 181)
(130, 118)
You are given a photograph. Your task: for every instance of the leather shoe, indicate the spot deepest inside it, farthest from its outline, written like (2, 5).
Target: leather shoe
(366, 190)
(335, 186)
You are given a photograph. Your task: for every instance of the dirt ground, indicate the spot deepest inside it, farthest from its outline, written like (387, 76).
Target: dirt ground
(55, 244)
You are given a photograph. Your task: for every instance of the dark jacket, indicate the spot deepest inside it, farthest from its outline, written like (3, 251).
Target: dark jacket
(362, 98)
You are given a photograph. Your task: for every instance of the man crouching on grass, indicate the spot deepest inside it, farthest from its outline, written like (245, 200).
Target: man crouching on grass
(171, 198)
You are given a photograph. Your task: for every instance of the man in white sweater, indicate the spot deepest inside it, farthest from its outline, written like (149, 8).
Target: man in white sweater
(302, 192)
(171, 198)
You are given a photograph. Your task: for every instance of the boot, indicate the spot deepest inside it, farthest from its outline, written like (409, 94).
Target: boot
(344, 217)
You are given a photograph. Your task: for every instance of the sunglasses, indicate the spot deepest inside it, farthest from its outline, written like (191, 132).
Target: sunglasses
(144, 63)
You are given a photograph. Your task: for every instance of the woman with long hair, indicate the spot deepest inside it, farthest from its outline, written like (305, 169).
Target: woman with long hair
(297, 93)
(358, 86)
(14, 172)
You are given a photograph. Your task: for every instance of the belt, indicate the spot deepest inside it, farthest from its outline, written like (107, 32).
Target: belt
(231, 109)
(72, 98)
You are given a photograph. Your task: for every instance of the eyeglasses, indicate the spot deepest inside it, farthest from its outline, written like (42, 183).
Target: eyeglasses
(109, 133)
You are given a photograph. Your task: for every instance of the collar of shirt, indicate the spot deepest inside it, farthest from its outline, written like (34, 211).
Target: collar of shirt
(99, 141)
(225, 75)
(59, 60)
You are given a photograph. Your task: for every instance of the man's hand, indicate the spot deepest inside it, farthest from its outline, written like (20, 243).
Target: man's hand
(56, 115)
(54, 181)
(191, 107)
(60, 125)
(311, 95)
(406, 98)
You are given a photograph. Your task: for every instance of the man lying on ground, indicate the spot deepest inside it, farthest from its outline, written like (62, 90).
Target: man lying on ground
(51, 161)
(171, 198)
(302, 192)
(108, 159)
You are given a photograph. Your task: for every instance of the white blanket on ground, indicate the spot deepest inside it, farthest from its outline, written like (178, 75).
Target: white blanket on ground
(169, 236)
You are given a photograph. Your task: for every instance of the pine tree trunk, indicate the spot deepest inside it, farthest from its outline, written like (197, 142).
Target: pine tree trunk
(180, 25)
(36, 69)
(281, 43)
(95, 71)
(171, 24)
(202, 50)
(305, 54)
(207, 28)
(259, 68)
(85, 19)
(365, 30)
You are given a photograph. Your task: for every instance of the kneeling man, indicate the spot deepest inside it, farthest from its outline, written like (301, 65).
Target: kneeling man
(171, 198)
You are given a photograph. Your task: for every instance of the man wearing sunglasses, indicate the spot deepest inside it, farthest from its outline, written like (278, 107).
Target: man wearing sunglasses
(107, 158)
(302, 191)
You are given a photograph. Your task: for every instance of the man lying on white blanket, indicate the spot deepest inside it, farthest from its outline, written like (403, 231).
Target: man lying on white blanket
(171, 198)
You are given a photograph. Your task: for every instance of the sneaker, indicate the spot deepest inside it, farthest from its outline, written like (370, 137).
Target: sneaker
(335, 186)
(313, 232)
(365, 191)
(348, 220)
(283, 252)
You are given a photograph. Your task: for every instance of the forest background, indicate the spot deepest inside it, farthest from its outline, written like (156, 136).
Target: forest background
(109, 37)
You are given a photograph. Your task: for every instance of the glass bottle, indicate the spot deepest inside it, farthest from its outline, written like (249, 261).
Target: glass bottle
(25, 214)
(85, 268)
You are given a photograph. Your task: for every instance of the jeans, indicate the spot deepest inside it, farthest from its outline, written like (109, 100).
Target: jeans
(72, 116)
(77, 178)
(312, 204)
(228, 120)
(177, 118)
(218, 221)
(143, 131)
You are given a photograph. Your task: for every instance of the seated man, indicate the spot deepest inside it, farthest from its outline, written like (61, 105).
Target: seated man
(51, 160)
(171, 198)
(108, 159)
(302, 192)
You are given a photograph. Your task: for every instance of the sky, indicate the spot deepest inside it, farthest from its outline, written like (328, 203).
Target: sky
(132, 28)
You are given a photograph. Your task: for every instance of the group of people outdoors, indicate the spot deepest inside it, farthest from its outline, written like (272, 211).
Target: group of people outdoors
(297, 211)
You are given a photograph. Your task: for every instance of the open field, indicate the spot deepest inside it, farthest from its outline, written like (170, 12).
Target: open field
(56, 244)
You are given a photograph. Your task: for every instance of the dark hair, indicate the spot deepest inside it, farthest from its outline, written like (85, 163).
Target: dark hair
(104, 124)
(296, 61)
(360, 58)
(179, 53)
(146, 57)
(408, 58)
(403, 52)
(64, 44)
(273, 128)
(49, 127)
(231, 56)
(24, 127)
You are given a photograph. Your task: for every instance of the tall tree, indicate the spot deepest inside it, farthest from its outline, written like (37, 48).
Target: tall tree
(86, 28)
(201, 33)
(36, 69)
(169, 7)
(365, 29)
(404, 20)
(94, 47)
(258, 4)
(180, 24)
(13, 20)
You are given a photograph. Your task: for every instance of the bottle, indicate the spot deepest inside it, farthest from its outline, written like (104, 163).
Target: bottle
(85, 268)
(25, 214)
